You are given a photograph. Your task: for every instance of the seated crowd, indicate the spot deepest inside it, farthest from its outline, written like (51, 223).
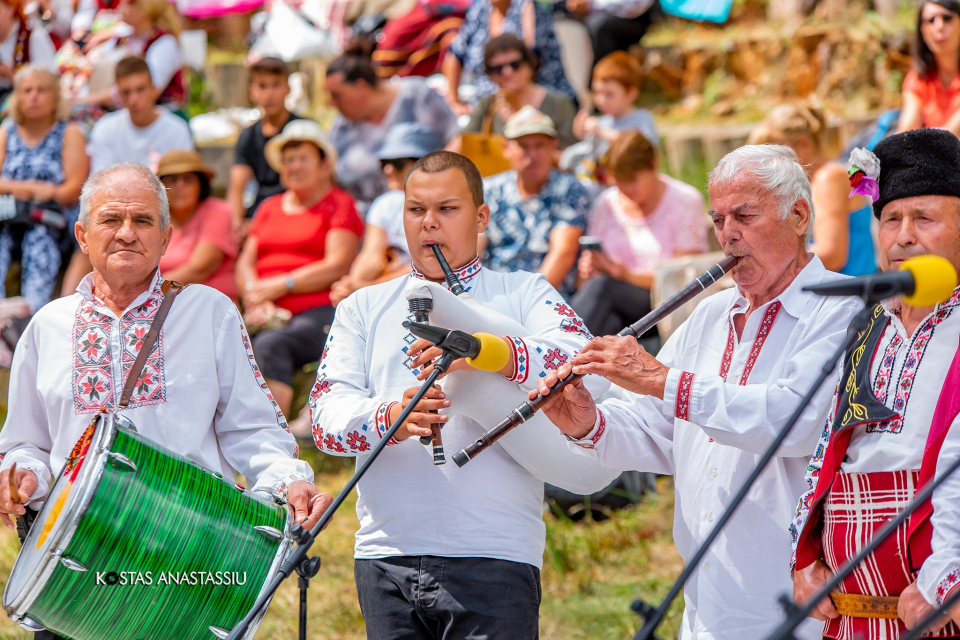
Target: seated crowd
(575, 195)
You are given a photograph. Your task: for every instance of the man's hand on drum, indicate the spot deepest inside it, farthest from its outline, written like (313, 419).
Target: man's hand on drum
(308, 503)
(622, 361)
(26, 482)
(423, 416)
(572, 410)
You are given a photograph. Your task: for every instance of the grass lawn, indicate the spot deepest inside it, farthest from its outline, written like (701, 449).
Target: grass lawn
(592, 572)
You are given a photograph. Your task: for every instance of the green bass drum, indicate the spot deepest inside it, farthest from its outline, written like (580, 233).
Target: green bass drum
(137, 542)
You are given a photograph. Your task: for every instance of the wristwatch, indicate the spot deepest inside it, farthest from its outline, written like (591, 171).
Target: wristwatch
(290, 282)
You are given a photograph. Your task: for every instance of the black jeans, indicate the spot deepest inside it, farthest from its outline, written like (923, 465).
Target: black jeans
(607, 305)
(282, 351)
(433, 598)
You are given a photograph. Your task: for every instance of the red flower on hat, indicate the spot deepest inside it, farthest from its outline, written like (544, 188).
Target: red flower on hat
(857, 178)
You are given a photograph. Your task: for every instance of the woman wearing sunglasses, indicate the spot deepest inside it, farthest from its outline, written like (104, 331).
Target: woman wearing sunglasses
(931, 91)
(513, 67)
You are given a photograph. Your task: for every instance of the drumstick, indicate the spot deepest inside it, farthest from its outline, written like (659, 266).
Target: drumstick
(14, 493)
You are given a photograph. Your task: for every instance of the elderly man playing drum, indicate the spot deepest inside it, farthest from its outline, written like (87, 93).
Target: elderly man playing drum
(200, 393)
(721, 388)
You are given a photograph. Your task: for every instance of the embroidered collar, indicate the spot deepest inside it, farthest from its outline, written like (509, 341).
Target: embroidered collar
(793, 299)
(465, 273)
(85, 289)
(892, 307)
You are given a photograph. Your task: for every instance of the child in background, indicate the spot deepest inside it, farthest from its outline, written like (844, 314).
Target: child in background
(616, 86)
(268, 90)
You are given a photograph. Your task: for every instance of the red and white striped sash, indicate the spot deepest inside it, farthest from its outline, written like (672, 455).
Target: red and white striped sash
(858, 505)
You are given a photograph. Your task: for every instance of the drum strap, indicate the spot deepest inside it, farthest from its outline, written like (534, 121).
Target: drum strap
(170, 290)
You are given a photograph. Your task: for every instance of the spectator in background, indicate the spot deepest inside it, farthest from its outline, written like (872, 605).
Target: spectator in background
(300, 243)
(384, 253)
(140, 132)
(203, 248)
(43, 159)
(416, 43)
(645, 219)
(151, 30)
(488, 19)
(614, 25)
(616, 87)
(20, 45)
(268, 91)
(512, 66)
(537, 214)
(842, 235)
(368, 109)
(931, 91)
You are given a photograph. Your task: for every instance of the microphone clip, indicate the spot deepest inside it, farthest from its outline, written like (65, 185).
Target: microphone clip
(456, 344)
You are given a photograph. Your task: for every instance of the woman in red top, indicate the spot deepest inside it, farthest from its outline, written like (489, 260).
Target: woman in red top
(301, 242)
(204, 247)
(931, 91)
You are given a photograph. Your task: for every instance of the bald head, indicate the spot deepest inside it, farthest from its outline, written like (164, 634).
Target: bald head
(125, 178)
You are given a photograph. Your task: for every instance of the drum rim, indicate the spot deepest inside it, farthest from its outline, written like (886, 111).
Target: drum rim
(62, 532)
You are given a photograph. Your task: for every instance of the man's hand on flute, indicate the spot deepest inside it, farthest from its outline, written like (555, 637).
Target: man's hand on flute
(572, 410)
(622, 361)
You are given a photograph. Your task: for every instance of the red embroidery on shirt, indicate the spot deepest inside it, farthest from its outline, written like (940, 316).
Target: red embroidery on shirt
(554, 359)
(769, 316)
(521, 359)
(682, 407)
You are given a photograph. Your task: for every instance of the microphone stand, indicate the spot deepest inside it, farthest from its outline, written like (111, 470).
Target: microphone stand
(298, 560)
(796, 615)
(653, 620)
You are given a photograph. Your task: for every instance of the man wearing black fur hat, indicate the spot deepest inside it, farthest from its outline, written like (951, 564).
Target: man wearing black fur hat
(906, 387)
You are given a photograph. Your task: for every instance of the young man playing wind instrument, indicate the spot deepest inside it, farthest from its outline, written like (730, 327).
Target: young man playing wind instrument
(442, 552)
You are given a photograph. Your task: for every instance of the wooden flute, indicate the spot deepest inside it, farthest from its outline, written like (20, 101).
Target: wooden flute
(529, 408)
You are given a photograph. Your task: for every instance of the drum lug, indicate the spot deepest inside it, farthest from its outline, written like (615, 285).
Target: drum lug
(72, 564)
(31, 625)
(122, 462)
(220, 633)
(271, 534)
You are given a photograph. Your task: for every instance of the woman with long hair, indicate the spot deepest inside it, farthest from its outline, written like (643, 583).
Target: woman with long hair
(931, 91)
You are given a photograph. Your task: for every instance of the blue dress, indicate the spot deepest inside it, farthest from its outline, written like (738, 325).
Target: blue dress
(40, 245)
(861, 256)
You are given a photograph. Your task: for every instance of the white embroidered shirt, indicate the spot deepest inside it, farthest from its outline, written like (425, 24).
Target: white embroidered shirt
(201, 393)
(908, 374)
(725, 400)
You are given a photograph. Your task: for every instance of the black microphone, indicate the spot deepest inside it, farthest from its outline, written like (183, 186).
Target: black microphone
(872, 288)
(923, 281)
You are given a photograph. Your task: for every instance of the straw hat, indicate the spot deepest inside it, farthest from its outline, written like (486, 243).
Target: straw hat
(528, 121)
(183, 161)
(299, 131)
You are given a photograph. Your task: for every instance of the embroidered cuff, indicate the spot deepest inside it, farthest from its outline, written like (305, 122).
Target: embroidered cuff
(285, 483)
(521, 359)
(947, 585)
(590, 440)
(383, 421)
(676, 397)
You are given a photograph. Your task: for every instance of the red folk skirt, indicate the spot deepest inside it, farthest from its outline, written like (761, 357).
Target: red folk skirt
(859, 504)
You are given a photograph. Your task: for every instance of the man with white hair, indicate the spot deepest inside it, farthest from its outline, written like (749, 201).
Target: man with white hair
(200, 392)
(720, 390)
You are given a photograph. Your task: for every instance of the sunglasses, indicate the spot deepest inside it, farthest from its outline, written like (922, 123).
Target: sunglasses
(498, 69)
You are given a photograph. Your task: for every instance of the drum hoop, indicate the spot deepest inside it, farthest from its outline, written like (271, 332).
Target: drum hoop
(101, 447)
(62, 532)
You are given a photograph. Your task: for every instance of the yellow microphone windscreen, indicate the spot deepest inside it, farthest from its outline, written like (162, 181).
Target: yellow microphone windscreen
(494, 353)
(935, 280)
